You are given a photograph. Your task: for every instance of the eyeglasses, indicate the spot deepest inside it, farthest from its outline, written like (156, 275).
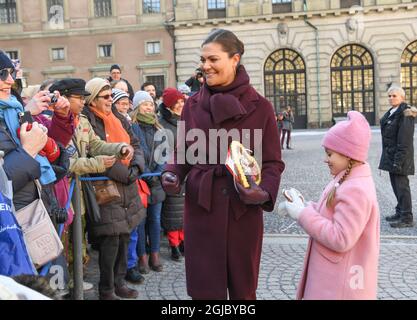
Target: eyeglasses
(4, 74)
(81, 98)
(105, 97)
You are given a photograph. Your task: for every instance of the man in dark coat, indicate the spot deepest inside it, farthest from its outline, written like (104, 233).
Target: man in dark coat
(397, 129)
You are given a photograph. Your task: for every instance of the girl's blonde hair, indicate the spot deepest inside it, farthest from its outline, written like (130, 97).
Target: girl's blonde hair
(332, 193)
(134, 117)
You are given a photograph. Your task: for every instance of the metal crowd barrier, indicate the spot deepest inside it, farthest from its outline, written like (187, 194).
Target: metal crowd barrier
(74, 196)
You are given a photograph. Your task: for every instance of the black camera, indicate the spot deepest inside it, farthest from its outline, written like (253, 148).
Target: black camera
(60, 215)
(54, 98)
(25, 117)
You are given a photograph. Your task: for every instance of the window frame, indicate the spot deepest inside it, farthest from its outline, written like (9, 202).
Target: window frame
(281, 6)
(285, 83)
(111, 50)
(407, 66)
(351, 78)
(7, 51)
(94, 11)
(346, 4)
(145, 8)
(148, 42)
(216, 11)
(11, 13)
(51, 53)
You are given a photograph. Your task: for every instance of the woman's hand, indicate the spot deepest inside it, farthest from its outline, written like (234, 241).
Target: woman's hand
(170, 183)
(252, 195)
(33, 140)
(39, 102)
(62, 106)
(127, 153)
(109, 161)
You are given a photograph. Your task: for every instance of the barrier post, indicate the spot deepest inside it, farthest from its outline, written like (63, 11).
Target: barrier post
(77, 233)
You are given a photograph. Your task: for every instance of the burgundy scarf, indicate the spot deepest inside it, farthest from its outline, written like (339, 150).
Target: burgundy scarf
(227, 102)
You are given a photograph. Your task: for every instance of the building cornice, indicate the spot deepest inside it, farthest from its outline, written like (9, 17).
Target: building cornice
(80, 31)
(293, 15)
(58, 70)
(153, 64)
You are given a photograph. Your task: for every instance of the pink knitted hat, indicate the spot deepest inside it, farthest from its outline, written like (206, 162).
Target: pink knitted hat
(350, 137)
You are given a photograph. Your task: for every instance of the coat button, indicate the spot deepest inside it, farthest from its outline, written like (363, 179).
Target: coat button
(224, 191)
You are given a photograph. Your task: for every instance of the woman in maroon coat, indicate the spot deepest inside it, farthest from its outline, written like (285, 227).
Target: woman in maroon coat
(223, 227)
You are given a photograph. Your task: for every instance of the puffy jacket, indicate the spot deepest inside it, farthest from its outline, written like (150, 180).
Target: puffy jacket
(397, 133)
(20, 168)
(173, 206)
(122, 215)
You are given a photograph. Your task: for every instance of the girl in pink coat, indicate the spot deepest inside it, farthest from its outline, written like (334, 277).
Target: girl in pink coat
(341, 261)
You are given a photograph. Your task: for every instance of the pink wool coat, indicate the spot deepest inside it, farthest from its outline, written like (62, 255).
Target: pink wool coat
(342, 254)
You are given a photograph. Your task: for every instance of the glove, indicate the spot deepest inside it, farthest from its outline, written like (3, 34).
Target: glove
(170, 183)
(294, 207)
(133, 174)
(282, 209)
(252, 195)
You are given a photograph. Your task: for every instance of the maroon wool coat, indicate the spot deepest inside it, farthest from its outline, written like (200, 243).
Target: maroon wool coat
(223, 236)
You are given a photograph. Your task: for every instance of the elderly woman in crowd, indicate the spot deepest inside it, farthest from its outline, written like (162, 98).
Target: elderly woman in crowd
(120, 216)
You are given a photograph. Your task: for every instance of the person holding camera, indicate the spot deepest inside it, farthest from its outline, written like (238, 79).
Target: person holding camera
(23, 164)
(195, 81)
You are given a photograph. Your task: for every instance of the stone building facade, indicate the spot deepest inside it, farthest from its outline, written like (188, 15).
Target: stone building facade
(83, 38)
(322, 57)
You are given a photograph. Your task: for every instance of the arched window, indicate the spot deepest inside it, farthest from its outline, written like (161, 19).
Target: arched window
(285, 83)
(352, 76)
(409, 72)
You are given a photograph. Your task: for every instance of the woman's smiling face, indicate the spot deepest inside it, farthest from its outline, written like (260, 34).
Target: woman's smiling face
(219, 69)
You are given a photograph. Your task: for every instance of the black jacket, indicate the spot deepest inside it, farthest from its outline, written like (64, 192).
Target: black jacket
(173, 206)
(397, 141)
(21, 169)
(194, 84)
(120, 216)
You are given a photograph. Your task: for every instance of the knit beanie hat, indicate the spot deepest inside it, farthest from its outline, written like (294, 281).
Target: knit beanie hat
(115, 66)
(118, 94)
(5, 61)
(183, 88)
(140, 97)
(350, 137)
(94, 86)
(170, 96)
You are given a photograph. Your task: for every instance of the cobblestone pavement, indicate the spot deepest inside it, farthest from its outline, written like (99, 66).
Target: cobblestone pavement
(285, 242)
(281, 264)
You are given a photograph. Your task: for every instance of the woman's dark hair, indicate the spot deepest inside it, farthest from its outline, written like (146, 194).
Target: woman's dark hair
(227, 39)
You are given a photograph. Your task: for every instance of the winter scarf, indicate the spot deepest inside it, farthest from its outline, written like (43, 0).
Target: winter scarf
(114, 129)
(9, 110)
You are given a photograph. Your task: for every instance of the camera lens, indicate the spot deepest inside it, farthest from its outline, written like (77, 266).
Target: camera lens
(54, 98)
